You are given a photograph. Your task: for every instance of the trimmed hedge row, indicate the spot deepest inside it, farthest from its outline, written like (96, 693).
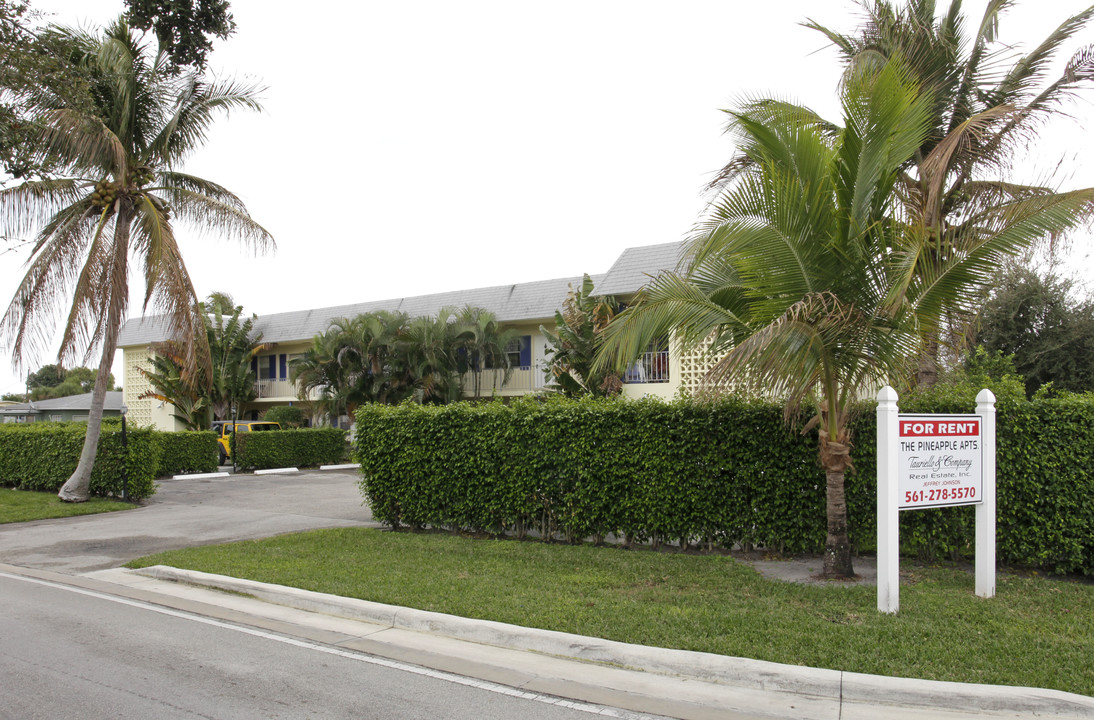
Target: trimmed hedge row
(729, 474)
(187, 452)
(42, 456)
(289, 448)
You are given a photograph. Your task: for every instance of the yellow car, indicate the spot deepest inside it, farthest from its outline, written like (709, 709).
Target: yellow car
(223, 429)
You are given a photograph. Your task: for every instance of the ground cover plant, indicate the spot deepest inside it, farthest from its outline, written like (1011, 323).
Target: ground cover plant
(26, 505)
(1037, 631)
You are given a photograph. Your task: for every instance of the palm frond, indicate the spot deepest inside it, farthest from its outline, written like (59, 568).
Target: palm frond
(83, 143)
(198, 103)
(207, 215)
(172, 180)
(30, 205)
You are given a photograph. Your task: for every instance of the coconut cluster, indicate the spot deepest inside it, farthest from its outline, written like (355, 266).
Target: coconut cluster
(105, 193)
(142, 175)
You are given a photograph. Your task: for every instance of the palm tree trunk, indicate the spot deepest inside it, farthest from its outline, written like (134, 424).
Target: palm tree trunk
(837, 546)
(78, 486)
(836, 458)
(927, 373)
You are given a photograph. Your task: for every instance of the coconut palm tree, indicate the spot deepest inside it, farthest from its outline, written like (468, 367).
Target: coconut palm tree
(120, 196)
(806, 274)
(987, 101)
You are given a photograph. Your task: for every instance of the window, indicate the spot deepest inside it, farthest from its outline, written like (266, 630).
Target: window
(519, 352)
(267, 367)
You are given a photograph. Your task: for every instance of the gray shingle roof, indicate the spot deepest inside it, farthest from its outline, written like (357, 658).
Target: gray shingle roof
(510, 303)
(114, 399)
(521, 302)
(637, 265)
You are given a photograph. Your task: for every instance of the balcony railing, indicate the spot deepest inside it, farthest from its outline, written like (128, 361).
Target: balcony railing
(521, 380)
(280, 389)
(651, 367)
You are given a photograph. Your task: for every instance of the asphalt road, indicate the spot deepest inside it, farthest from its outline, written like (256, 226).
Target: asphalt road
(189, 512)
(72, 653)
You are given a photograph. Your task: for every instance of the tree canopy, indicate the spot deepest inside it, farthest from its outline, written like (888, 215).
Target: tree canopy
(184, 28)
(35, 71)
(1048, 330)
(52, 381)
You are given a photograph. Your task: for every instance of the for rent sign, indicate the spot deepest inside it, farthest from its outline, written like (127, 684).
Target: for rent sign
(939, 460)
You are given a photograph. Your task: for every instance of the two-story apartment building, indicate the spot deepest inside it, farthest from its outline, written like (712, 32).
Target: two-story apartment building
(523, 307)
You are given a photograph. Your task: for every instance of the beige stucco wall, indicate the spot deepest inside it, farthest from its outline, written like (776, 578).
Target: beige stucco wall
(149, 412)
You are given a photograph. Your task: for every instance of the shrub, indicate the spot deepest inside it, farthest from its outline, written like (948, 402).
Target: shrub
(187, 451)
(731, 473)
(288, 416)
(289, 448)
(42, 456)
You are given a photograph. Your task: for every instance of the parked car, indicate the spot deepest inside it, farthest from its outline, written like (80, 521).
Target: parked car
(223, 429)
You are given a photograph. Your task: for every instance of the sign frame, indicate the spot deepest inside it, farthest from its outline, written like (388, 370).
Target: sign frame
(888, 506)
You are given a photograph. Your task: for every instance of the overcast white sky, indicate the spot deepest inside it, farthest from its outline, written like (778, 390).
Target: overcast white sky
(418, 147)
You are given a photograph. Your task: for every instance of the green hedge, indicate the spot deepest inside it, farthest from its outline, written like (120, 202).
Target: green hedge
(42, 456)
(289, 448)
(728, 474)
(187, 452)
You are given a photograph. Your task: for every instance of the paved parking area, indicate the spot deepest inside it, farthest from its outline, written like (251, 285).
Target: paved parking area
(187, 512)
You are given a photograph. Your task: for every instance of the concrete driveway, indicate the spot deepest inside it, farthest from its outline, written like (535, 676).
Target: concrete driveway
(189, 512)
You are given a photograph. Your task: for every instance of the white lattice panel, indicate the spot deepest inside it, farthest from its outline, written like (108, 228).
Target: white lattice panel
(134, 384)
(694, 366)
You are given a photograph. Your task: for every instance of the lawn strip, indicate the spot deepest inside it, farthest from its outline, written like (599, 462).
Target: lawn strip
(27, 505)
(1037, 631)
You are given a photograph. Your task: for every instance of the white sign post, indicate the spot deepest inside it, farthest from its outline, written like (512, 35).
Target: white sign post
(933, 461)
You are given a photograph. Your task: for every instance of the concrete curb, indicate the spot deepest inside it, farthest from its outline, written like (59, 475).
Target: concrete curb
(199, 476)
(844, 687)
(276, 471)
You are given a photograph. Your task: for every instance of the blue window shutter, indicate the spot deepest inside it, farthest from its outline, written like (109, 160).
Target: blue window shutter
(254, 366)
(525, 351)
(273, 367)
(284, 362)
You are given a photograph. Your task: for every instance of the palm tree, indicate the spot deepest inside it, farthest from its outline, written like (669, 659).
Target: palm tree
(317, 371)
(229, 379)
(233, 344)
(806, 274)
(353, 362)
(986, 102)
(428, 357)
(482, 346)
(121, 192)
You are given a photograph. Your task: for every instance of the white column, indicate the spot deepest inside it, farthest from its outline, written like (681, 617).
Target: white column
(985, 511)
(888, 516)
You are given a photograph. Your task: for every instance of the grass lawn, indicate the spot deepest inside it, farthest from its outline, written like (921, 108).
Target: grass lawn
(1036, 631)
(23, 505)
